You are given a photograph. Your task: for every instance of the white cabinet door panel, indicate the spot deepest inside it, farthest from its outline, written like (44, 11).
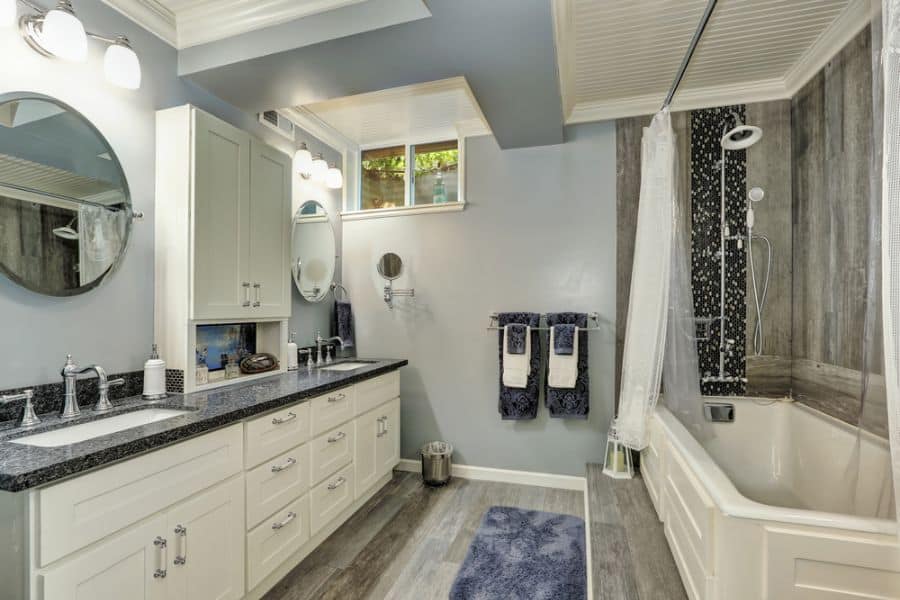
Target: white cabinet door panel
(275, 433)
(331, 451)
(276, 482)
(368, 428)
(275, 539)
(388, 451)
(328, 499)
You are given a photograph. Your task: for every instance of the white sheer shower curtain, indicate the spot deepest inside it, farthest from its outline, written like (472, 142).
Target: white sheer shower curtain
(645, 330)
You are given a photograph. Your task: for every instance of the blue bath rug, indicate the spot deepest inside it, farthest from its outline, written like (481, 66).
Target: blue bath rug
(524, 555)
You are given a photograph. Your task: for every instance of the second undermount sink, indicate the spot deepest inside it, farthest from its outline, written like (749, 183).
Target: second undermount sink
(346, 366)
(92, 429)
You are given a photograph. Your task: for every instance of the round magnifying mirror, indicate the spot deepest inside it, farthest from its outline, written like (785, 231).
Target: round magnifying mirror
(312, 251)
(390, 266)
(65, 208)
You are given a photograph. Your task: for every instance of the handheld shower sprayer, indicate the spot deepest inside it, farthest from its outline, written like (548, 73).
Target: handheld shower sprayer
(755, 195)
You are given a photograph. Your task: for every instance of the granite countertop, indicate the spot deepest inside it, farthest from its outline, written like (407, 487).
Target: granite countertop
(23, 467)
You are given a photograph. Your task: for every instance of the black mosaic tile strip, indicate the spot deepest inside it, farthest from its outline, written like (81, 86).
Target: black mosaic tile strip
(707, 128)
(175, 381)
(23, 466)
(48, 397)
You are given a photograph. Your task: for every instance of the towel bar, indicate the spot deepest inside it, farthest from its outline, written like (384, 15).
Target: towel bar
(595, 317)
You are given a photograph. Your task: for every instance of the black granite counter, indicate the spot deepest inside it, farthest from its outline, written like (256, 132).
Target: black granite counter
(23, 466)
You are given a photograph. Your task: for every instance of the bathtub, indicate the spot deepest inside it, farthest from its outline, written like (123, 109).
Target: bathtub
(762, 509)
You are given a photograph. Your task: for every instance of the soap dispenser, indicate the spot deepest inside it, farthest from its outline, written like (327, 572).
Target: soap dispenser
(154, 376)
(292, 352)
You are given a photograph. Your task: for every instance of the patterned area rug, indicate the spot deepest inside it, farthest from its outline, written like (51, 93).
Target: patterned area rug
(524, 554)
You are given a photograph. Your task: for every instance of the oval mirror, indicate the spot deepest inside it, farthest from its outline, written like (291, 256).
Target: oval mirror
(65, 209)
(390, 266)
(312, 251)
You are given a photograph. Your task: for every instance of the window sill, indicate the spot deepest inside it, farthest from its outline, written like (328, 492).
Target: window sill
(380, 213)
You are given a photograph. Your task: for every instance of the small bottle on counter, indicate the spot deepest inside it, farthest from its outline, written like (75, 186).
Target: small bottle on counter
(154, 376)
(292, 352)
(202, 369)
(232, 369)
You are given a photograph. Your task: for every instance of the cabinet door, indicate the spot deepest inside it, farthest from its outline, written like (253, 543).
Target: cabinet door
(122, 566)
(368, 439)
(221, 220)
(388, 452)
(206, 544)
(270, 226)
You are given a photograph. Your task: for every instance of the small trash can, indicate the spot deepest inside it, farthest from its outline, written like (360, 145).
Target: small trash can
(436, 463)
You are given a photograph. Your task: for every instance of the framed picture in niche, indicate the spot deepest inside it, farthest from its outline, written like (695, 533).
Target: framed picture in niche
(222, 341)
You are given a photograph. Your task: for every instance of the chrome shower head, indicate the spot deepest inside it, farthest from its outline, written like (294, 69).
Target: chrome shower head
(740, 136)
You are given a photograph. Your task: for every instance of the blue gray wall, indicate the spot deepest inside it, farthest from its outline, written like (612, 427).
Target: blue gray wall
(112, 325)
(538, 233)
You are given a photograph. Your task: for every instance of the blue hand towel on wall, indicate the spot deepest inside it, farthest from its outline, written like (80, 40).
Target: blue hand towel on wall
(571, 403)
(515, 338)
(342, 322)
(521, 403)
(564, 339)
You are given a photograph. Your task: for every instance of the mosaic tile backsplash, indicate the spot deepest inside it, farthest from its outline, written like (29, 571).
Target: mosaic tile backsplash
(707, 128)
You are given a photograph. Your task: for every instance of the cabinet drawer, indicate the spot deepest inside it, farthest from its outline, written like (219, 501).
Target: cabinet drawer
(377, 391)
(328, 499)
(332, 409)
(275, 539)
(276, 433)
(88, 508)
(276, 482)
(332, 451)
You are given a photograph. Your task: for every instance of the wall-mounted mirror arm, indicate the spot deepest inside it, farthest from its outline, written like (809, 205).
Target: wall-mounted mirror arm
(390, 266)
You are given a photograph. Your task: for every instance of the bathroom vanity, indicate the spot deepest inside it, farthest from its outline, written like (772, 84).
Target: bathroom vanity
(218, 497)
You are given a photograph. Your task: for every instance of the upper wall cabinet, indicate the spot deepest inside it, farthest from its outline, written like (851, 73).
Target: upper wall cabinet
(222, 220)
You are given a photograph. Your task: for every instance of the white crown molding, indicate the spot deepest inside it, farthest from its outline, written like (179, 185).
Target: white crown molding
(856, 15)
(151, 15)
(685, 99)
(564, 36)
(550, 480)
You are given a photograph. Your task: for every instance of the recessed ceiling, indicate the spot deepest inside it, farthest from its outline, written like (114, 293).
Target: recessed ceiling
(185, 23)
(619, 58)
(433, 111)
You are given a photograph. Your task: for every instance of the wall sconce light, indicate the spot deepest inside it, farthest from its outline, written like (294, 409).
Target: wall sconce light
(333, 178)
(58, 33)
(319, 168)
(303, 160)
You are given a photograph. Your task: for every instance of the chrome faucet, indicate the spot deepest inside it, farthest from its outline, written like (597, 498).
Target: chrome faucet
(29, 419)
(70, 373)
(320, 341)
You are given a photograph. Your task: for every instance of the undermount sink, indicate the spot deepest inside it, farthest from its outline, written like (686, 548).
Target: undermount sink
(92, 429)
(346, 366)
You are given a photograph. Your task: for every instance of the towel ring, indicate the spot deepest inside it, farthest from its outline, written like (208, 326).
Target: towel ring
(337, 286)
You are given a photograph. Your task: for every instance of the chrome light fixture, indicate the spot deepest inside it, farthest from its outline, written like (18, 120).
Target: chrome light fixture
(319, 168)
(303, 161)
(58, 33)
(333, 178)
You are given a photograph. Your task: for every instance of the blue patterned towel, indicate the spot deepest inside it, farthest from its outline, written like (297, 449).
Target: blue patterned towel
(571, 403)
(342, 322)
(564, 339)
(521, 403)
(515, 338)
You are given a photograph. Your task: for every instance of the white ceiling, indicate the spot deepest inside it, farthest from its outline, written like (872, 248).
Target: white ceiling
(185, 23)
(437, 110)
(619, 58)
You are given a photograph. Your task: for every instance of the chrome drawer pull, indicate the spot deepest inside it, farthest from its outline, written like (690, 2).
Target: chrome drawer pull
(336, 484)
(279, 420)
(257, 302)
(246, 286)
(290, 517)
(162, 557)
(290, 462)
(381, 428)
(336, 398)
(181, 532)
(336, 438)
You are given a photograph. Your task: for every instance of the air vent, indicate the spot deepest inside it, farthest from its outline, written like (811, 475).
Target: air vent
(275, 121)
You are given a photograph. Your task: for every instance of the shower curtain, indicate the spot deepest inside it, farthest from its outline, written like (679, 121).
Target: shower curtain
(890, 227)
(645, 329)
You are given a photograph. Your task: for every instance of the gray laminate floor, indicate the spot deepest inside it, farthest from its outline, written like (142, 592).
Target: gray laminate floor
(409, 541)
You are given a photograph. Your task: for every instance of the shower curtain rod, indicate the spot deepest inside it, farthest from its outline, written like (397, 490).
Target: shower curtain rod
(690, 52)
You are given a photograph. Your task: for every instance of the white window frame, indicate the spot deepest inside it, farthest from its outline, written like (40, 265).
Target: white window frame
(357, 212)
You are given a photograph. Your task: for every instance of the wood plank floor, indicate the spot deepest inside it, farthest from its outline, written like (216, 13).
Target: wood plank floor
(630, 557)
(409, 540)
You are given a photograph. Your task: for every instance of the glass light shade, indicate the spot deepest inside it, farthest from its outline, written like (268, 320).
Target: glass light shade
(303, 161)
(333, 178)
(319, 169)
(122, 67)
(7, 13)
(62, 34)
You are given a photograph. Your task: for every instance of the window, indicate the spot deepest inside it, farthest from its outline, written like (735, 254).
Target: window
(411, 176)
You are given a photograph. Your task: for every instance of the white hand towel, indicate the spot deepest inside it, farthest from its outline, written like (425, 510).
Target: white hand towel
(562, 368)
(516, 366)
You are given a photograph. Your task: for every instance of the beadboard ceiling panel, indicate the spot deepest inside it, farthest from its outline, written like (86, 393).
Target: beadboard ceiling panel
(619, 58)
(433, 111)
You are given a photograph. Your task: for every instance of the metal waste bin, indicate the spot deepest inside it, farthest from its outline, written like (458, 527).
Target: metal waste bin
(436, 462)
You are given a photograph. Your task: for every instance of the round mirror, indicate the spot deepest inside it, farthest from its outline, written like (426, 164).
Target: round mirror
(65, 209)
(390, 266)
(312, 251)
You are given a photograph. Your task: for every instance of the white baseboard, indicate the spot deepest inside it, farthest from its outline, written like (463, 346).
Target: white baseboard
(550, 480)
